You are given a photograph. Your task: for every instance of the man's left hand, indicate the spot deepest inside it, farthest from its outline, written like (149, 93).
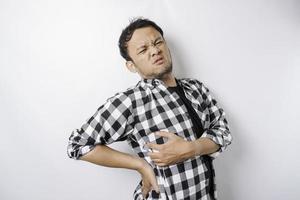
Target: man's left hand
(175, 150)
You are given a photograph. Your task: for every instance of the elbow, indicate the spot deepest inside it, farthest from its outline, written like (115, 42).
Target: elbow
(227, 139)
(221, 138)
(77, 146)
(73, 151)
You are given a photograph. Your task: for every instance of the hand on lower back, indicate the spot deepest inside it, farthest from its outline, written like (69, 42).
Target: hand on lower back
(149, 181)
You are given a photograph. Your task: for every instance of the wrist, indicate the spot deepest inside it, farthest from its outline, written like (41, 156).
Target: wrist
(140, 164)
(190, 150)
(196, 148)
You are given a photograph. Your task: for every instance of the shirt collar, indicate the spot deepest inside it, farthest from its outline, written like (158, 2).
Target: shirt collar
(184, 84)
(152, 83)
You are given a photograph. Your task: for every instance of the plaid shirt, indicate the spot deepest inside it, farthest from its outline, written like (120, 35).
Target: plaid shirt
(135, 114)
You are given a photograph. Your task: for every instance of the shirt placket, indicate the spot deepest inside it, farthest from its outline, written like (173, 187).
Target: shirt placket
(161, 179)
(162, 176)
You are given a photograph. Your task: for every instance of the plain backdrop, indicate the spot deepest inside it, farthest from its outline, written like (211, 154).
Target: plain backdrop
(59, 61)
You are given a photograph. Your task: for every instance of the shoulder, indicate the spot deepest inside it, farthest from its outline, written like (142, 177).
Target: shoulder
(125, 97)
(195, 83)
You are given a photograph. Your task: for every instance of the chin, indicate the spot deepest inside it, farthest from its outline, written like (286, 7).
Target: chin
(167, 70)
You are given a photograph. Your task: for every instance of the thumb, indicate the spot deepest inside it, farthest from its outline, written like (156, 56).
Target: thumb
(165, 134)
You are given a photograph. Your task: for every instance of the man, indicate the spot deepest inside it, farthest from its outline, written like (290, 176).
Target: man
(173, 125)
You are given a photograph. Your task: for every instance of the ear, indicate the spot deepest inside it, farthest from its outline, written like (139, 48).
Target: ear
(131, 67)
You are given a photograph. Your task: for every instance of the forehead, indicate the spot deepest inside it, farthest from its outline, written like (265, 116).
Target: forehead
(143, 35)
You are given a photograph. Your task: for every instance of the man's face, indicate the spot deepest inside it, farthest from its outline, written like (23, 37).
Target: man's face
(149, 53)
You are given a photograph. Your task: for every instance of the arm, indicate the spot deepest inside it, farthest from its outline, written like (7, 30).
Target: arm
(213, 141)
(106, 156)
(112, 122)
(176, 149)
(218, 131)
(203, 146)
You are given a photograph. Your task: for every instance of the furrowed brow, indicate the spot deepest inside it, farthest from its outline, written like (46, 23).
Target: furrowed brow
(158, 38)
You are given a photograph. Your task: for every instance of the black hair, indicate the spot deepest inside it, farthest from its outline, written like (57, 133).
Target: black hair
(129, 30)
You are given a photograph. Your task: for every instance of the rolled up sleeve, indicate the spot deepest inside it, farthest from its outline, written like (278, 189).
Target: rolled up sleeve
(218, 130)
(111, 122)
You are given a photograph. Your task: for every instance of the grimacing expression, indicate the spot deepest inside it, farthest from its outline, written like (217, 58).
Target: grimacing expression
(149, 53)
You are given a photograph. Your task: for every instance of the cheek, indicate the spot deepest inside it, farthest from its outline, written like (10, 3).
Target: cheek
(168, 54)
(142, 60)
(143, 63)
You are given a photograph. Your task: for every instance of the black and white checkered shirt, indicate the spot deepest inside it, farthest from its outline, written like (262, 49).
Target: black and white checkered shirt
(135, 114)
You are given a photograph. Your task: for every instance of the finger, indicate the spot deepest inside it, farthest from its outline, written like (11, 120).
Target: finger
(145, 194)
(154, 155)
(161, 164)
(165, 134)
(154, 146)
(155, 185)
(156, 161)
(145, 191)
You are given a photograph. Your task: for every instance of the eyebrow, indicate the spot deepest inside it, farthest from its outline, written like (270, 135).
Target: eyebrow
(143, 46)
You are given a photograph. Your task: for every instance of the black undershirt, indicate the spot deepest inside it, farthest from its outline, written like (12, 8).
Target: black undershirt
(197, 125)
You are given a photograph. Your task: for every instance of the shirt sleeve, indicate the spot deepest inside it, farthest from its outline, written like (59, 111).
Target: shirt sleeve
(218, 130)
(111, 122)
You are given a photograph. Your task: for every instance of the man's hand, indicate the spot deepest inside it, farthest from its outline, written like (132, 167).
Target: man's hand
(175, 150)
(149, 181)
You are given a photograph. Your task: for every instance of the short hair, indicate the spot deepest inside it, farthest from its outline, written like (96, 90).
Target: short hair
(129, 30)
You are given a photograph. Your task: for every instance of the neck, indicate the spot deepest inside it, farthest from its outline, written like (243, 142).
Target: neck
(169, 80)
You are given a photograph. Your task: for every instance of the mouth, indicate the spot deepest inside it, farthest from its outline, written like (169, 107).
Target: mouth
(159, 61)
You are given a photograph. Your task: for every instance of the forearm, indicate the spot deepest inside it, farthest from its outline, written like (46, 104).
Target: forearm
(189, 149)
(106, 156)
(204, 146)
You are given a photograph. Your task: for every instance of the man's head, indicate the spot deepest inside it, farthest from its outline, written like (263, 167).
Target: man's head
(144, 48)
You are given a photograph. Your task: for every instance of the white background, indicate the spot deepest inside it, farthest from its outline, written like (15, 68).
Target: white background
(59, 61)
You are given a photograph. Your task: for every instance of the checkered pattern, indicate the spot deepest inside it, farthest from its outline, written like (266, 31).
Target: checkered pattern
(135, 114)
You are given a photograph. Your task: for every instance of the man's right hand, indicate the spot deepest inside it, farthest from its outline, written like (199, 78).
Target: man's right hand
(149, 181)
(106, 156)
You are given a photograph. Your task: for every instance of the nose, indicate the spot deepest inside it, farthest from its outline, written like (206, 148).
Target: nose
(154, 50)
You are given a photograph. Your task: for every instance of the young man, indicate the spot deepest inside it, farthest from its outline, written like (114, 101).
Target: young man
(173, 125)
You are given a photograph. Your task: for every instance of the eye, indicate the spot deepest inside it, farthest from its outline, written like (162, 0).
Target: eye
(142, 51)
(158, 42)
